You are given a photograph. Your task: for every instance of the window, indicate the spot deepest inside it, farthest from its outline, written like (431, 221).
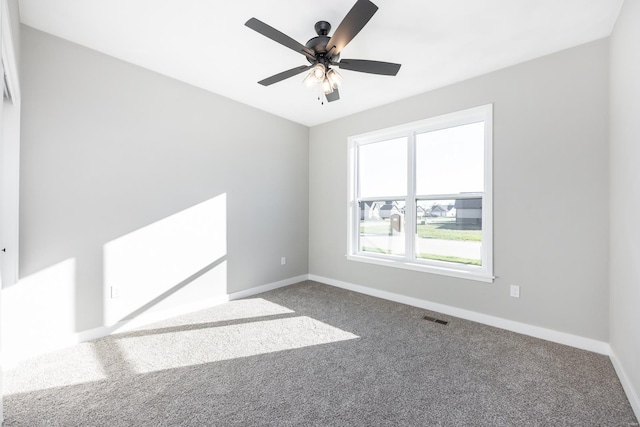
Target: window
(420, 195)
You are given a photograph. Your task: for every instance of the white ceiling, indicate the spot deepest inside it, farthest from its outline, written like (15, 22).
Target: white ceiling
(205, 42)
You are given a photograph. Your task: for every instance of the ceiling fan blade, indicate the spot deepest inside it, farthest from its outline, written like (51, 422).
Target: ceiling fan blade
(333, 96)
(277, 36)
(284, 75)
(351, 25)
(373, 67)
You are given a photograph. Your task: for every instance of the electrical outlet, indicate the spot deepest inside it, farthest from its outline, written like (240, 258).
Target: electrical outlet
(515, 291)
(115, 292)
(283, 260)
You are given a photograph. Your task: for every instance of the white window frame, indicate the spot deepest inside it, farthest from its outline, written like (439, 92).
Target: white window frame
(409, 261)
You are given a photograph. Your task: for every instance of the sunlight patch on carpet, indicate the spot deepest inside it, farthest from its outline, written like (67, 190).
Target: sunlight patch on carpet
(194, 347)
(53, 370)
(241, 328)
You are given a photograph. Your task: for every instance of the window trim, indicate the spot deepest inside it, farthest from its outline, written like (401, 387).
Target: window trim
(409, 261)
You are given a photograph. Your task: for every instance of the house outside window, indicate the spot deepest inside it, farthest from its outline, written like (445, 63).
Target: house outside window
(420, 195)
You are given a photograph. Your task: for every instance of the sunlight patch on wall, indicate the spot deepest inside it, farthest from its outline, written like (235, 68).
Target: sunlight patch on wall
(177, 260)
(39, 312)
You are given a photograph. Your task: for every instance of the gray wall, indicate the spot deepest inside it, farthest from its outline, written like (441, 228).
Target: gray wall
(625, 193)
(109, 148)
(551, 209)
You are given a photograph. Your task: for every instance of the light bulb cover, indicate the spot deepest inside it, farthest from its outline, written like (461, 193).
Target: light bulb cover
(335, 79)
(326, 87)
(310, 80)
(318, 72)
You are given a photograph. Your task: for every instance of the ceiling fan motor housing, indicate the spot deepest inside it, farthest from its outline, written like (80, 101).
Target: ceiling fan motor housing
(319, 44)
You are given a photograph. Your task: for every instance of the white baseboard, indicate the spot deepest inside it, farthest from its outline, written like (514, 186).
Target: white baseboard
(268, 287)
(148, 318)
(583, 343)
(632, 394)
(522, 328)
(510, 325)
(11, 359)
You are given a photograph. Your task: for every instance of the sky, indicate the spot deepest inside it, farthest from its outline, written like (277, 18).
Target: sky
(448, 161)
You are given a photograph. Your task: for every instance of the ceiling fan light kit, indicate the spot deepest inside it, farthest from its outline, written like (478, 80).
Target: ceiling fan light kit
(334, 78)
(323, 52)
(316, 76)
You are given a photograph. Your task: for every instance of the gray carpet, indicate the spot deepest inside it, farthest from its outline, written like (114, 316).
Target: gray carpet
(314, 355)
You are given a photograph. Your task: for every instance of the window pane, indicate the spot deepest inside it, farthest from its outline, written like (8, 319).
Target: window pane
(449, 230)
(382, 168)
(450, 161)
(382, 227)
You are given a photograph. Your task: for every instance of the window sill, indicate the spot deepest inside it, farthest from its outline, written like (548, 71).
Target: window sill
(462, 274)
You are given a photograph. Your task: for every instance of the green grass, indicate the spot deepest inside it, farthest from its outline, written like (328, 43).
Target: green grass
(438, 229)
(448, 258)
(449, 230)
(434, 257)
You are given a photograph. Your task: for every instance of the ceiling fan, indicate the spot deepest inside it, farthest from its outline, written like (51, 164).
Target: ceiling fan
(323, 51)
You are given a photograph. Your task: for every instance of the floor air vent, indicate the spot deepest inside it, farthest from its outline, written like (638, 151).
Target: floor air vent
(433, 319)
